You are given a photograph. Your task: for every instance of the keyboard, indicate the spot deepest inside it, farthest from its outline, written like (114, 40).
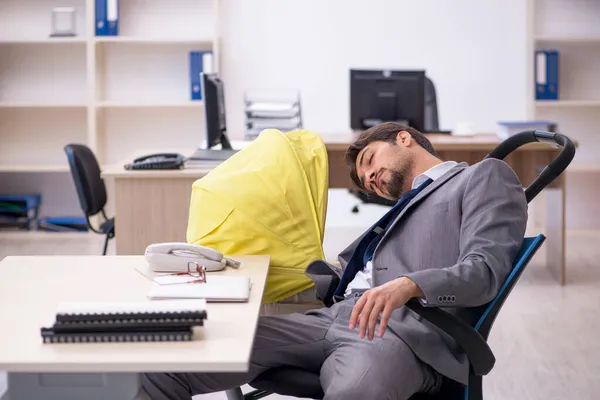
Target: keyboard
(212, 155)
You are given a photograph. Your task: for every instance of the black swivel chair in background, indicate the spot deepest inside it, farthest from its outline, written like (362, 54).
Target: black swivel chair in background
(90, 188)
(302, 383)
(431, 125)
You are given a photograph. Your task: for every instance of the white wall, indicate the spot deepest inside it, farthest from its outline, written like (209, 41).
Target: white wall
(477, 62)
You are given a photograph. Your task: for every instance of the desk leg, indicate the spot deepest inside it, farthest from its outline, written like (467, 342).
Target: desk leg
(75, 386)
(556, 227)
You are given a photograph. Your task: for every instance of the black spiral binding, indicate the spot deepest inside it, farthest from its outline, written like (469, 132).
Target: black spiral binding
(123, 327)
(50, 336)
(171, 315)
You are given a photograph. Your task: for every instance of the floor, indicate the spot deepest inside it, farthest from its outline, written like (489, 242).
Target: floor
(545, 339)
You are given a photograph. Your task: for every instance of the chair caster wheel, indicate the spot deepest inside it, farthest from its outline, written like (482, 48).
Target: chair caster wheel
(355, 209)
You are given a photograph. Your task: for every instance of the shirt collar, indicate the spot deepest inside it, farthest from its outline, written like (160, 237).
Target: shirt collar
(434, 173)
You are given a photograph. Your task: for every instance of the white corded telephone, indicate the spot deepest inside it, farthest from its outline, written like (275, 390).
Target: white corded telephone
(176, 256)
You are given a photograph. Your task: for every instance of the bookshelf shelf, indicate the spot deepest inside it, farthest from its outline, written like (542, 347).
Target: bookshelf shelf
(115, 94)
(158, 74)
(33, 104)
(27, 21)
(33, 137)
(205, 43)
(567, 40)
(567, 103)
(48, 40)
(145, 104)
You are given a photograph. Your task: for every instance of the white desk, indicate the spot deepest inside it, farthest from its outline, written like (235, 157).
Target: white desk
(31, 288)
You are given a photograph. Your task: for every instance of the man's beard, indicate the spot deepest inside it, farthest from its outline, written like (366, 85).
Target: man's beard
(398, 176)
(396, 183)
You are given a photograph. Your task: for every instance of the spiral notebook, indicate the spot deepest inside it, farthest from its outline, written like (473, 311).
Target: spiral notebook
(144, 321)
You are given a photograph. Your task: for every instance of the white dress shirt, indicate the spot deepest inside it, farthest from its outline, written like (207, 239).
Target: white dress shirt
(363, 279)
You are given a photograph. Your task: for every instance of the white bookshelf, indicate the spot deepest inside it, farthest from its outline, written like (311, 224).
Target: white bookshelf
(116, 94)
(572, 28)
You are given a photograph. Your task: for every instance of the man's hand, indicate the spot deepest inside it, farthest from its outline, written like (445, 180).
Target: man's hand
(382, 299)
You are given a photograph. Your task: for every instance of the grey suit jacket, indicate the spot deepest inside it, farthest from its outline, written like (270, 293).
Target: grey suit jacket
(457, 240)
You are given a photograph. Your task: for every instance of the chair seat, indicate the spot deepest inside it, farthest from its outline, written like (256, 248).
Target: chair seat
(108, 226)
(289, 381)
(296, 382)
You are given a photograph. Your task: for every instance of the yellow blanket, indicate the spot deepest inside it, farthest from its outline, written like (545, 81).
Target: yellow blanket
(270, 199)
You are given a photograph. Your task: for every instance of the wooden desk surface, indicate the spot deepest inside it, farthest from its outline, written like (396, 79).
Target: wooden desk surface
(31, 288)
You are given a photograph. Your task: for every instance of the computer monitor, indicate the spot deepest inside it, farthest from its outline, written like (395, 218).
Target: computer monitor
(213, 96)
(378, 96)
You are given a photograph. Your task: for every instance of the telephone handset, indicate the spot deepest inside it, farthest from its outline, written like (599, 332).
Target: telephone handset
(175, 257)
(158, 161)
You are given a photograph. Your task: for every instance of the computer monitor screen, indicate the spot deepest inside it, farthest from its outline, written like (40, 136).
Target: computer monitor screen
(378, 96)
(214, 110)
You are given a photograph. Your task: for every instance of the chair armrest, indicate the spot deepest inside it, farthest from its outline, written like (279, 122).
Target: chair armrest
(473, 344)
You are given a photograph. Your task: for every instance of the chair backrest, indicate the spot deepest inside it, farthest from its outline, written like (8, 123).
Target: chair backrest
(86, 176)
(528, 249)
(431, 108)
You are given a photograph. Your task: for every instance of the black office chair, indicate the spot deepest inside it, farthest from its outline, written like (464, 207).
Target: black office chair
(431, 124)
(473, 339)
(90, 188)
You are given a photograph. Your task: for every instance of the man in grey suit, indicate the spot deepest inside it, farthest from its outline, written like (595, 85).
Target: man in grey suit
(449, 241)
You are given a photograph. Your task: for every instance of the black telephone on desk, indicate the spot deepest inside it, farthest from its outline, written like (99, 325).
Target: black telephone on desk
(157, 161)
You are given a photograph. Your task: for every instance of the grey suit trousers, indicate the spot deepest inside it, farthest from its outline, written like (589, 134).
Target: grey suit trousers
(319, 340)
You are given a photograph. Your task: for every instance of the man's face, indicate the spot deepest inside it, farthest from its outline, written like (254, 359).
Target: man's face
(384, 168)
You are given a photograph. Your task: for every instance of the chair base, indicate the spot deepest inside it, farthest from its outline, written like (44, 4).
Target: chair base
(108, 228)
(236, 394)
(289, 381)
(108, 237)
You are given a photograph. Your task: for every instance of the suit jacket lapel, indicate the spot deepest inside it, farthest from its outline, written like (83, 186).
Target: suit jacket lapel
(429, 189)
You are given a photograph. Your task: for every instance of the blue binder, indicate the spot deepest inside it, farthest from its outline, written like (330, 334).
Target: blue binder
(546, 75)
(196, 68)
(112, 16)
(101, 21)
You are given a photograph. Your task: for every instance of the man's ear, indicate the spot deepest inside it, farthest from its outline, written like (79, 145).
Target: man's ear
(403, 139)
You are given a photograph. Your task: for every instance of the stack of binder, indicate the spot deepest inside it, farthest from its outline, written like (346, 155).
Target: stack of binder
(90, 322)
(271, 110)
(20, 211)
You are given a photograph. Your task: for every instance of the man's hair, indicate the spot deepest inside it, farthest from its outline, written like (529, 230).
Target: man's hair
(385, 132)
